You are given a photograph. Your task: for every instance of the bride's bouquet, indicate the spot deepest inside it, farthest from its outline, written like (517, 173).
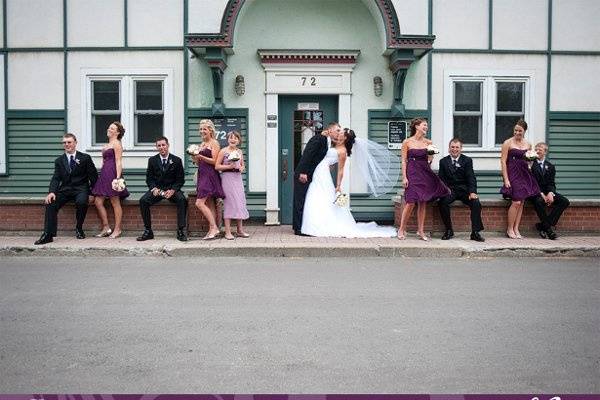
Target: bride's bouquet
(341, 199)
(118, 184)
(432, 149)
(193, 149)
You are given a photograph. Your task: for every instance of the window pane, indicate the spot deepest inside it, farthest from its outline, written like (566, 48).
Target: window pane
(148, 95)
(106, 95)
(467, 96)
(100, 124)
(504, 126)
(468, 128)
(148, 128)
(510, 96)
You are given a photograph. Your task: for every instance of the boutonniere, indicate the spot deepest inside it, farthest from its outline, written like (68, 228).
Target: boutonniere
(457, 165)
(170, 162)
(77, 161)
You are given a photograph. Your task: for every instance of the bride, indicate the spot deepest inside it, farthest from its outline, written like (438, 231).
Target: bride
(321, 216)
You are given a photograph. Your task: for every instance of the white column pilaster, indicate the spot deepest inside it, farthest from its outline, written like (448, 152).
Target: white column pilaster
(272, 167)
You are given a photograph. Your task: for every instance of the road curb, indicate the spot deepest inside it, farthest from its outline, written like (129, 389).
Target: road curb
(295, 250)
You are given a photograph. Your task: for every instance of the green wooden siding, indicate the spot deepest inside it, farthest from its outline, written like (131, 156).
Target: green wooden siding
(34, 141)
(574, 140)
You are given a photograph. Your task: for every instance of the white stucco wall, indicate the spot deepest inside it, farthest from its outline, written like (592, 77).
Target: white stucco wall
(575, 84)
(575, 25)
(415, 86)
(34, 23)
(204, 16)
(95, 23)
(413, 16)
(155, 22)
(460, 24)
(536, 64)
(78, 61)
(332, 27)
(32, 87)
(521, 25)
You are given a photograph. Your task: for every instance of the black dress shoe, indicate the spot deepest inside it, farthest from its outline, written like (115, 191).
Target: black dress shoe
(449, 234)
(476, 236)
(79, 234)
(181, 235)
(45, 238)
(541, 230)
(147, 235)
(551, 234)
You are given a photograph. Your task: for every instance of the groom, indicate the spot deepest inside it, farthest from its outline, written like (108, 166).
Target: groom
(314, 152)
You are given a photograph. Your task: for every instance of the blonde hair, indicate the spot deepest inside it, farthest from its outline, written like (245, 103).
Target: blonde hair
(210, 125)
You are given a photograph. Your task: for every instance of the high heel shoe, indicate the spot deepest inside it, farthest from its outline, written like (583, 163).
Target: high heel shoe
(513, 236)
(105, 233)
(401, 235)
(423, 237)
(115, 235)
(518, 235)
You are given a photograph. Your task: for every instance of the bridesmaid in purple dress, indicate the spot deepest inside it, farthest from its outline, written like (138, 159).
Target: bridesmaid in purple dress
(112, 168)
(234, 205)
(208, 187)
(519, 182)
(420, 183)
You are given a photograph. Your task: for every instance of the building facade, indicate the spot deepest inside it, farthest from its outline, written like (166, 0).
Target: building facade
(277, 70)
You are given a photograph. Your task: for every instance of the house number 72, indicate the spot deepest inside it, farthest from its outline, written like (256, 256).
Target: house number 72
(308, 80)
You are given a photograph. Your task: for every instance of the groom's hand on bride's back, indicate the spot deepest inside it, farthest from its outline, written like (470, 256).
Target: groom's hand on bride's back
(303, 178)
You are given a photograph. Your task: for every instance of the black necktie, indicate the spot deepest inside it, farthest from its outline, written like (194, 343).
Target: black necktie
(542, 167)
(454, 163)
(72, 163)
(164, 164)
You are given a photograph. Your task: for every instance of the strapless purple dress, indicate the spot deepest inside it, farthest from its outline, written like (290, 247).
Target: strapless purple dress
(522, 181)
(209, 181)
(423, 183)
(103, 186)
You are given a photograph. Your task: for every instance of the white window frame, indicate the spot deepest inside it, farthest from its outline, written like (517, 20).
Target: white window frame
(489, 93)
(3, 133)
(127, 78)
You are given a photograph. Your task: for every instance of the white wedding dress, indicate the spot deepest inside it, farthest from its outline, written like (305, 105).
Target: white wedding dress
(323, 218)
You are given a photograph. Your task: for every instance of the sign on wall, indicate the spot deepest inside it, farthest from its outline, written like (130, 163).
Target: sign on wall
(225, 125)
(396, 134)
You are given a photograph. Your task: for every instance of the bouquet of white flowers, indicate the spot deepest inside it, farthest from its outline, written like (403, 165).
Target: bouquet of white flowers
(432, 149)
(193, 149)
(118, 184)
(234, 156)
(341, 199)
(531, 155)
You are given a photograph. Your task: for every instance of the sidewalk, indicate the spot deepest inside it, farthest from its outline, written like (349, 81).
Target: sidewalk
(278, 241)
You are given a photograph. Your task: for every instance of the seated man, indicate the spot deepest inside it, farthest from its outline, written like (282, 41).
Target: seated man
(544, 172)
(74, 175)
(165, 178)
(456, 170)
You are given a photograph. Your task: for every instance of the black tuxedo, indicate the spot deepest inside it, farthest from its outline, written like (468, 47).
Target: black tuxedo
(461, 181)
(314, 152)
(70, 184)
(545, 178)
(171, 176)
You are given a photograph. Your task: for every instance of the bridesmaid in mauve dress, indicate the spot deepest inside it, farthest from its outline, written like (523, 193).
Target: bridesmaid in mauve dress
(420, 183)
(208, 187)
(234, 205)
(111, 169)
(519, 182)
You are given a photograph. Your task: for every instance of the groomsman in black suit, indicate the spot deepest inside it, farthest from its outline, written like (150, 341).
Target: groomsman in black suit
(314, 152)
(544, 172)
(74, 175)
(165, 178)
(456, 170)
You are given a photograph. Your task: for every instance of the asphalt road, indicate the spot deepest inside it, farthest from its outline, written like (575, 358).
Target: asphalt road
(218, 325)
